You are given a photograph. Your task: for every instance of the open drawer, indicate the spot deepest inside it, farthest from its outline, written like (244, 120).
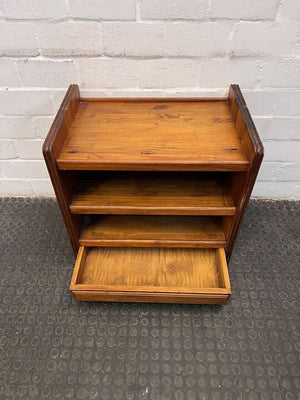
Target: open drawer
(158, 275)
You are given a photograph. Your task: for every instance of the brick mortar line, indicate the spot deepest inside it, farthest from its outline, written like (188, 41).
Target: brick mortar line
(45, 57)
(187, 89)
(106, 56)
(138, 11)
(73, 19)
(278, 11)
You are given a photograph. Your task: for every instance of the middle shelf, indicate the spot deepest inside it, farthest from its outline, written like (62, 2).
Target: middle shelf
(152, 231)
(153, 193)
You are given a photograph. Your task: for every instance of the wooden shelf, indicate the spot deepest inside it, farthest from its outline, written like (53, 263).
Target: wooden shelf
(181, 193)
(141, 134)
(152, 231)
(151, 274)
(153, 193)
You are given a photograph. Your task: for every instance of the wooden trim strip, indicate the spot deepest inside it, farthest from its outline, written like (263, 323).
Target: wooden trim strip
(180, 298)
(146, 289)
(83, 165)
(144, 210)
(150, 99)
(213, 243)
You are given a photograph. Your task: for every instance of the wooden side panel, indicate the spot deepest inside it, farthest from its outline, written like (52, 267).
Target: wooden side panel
(243, 182)
(64, 182)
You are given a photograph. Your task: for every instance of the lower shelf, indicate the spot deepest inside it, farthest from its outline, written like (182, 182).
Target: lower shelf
(158, 275)
(152, 231)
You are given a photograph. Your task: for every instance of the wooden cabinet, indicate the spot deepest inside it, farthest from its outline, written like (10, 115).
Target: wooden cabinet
(152, 192)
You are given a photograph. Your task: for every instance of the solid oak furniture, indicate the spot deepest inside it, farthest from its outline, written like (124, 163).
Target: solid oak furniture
(153, 192)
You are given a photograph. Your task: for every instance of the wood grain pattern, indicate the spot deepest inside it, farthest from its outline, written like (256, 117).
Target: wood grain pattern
(152, 231)
(161, 258)
(152, 99)
(154, 297)
(147, 271)
(157, 135)
(153, 193)
(227, 224)
(242, 183)
(64, 182)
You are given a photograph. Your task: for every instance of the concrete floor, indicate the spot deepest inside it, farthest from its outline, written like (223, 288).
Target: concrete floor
(55, 348)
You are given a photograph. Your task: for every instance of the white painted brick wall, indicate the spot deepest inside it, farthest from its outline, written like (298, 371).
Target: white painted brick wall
(170, 73)
(263, 39)
(103, 9)
(174, 9)
(43, 73)
(17, 39)
(32, 9)
(148, 48)
(136, 39)
(74, 38)
(197, 39)
(8, 73)
(247, 10)
(107, 73)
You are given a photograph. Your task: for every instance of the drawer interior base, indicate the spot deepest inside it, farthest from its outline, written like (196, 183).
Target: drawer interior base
(180, 275)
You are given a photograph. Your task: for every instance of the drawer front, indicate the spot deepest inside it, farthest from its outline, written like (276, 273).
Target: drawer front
(159, 275)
